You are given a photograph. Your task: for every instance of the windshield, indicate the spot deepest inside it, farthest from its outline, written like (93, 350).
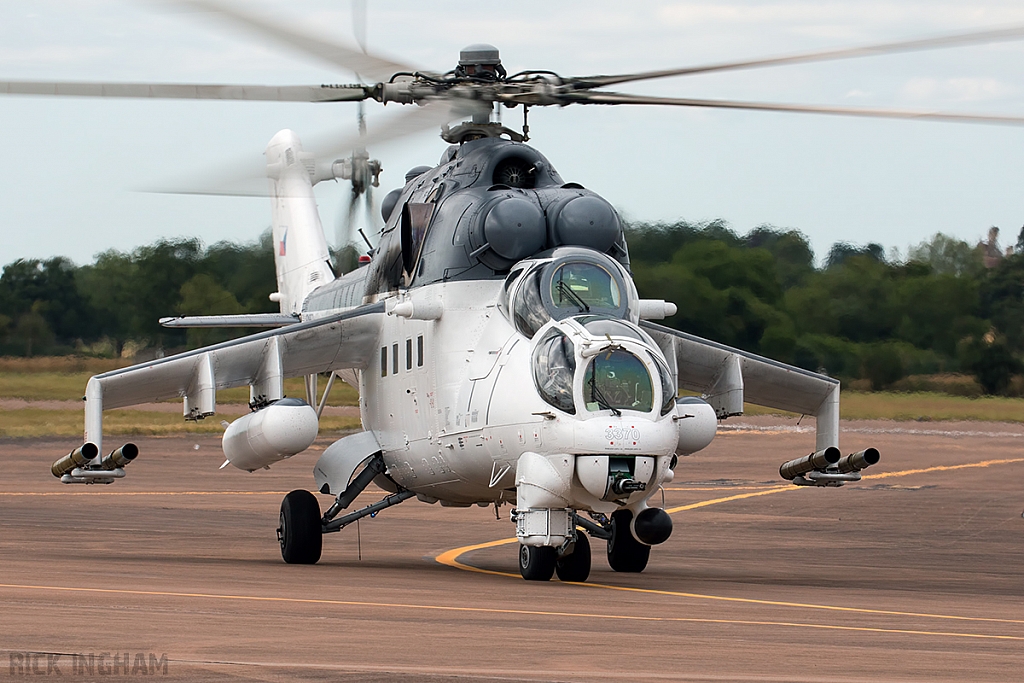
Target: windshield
(580, 285)
(617, 380)
(529, 311)
(553, 368)
(668, 387)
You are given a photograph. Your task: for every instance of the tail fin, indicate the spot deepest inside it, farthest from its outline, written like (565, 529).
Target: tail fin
(301, 257)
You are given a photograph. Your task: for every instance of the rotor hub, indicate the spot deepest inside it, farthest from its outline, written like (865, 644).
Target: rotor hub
(480, 60)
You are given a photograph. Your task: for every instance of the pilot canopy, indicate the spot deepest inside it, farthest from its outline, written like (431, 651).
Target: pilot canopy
(571, 281)
(584, 365)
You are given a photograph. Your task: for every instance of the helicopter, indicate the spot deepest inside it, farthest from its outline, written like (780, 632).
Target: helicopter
(501, 351)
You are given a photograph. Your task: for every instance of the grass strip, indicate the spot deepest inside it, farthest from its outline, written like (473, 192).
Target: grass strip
(31, 422)
(920, 406)
(70, 386)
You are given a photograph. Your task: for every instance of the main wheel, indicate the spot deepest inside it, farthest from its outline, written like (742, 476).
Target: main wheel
(300, 533)
(625, 553)
(537, 563)
(575, 567)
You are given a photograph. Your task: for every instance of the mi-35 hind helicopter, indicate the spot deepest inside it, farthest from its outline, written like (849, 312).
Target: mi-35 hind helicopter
(499, 345)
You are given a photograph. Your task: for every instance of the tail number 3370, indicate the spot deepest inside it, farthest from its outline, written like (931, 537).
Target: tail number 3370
(622, 434)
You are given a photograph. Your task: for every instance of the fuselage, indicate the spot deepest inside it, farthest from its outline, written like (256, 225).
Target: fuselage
(482, 282)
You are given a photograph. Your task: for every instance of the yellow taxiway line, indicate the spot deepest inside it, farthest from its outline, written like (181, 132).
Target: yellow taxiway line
(451, 557)
(500, 610)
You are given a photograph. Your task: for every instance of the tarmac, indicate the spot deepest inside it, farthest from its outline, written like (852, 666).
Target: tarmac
(913, 574)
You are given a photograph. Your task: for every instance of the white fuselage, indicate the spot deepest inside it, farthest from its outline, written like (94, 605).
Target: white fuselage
(453, 404)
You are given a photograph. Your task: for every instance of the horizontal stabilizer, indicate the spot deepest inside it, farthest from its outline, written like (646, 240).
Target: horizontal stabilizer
(243, 320)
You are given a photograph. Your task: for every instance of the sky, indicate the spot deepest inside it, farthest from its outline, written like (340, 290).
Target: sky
(72, 167)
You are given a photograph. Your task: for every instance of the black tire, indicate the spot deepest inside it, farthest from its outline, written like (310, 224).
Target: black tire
(625, 553)
(301, 534)
(575, 567)
(537, 563)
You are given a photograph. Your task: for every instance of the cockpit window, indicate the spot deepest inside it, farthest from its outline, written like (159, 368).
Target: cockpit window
(529, 311)
(503, 294)
(668, 387)
(554, 365)
(617, 380)
(574, 282)
(580, 286)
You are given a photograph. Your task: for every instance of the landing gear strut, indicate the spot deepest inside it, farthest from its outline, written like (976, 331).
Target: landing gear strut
(302, 528)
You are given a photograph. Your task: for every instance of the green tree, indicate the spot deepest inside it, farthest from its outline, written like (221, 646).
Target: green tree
(992, 362)
(48, 289)
(948, 256)
(1002, 300)
(33, 332)
(202, 295)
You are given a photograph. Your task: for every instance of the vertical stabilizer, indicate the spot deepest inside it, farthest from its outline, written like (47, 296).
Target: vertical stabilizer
(301, 257)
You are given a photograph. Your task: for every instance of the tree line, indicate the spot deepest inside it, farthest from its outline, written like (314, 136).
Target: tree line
(947, 306)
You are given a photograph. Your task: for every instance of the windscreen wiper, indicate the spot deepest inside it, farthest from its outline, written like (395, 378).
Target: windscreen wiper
(566, 291)
(596, 394)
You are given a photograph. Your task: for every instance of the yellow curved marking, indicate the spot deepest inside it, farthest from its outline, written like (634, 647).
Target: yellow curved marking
(498, 610)
(451, 557)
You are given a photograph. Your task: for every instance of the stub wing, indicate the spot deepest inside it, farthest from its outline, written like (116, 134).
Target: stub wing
(726, 377)
(262, 361)
(242, 320)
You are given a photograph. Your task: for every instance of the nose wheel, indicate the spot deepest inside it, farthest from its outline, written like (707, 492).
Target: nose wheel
(540, 563)
(537, 563)
(575, 566)
(625, 553)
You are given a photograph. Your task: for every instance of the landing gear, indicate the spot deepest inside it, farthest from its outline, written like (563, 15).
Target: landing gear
(300, 533)
(537, 562)
(625, 553)
(575, 567)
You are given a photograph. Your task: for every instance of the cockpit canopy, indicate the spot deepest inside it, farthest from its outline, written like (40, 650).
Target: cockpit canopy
(570, 282)
(587, 364)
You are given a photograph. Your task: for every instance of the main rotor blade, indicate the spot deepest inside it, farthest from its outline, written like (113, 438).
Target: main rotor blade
(359, 23)
(189, 91)
(376, 69)
(433, 114)
(975, 37)
(618, 98)
(247, 178)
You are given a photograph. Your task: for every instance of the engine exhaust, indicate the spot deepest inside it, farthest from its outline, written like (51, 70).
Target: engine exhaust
(79, 457)
(821, 460)
(828, 467)
(855, 462)
(119, 458)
